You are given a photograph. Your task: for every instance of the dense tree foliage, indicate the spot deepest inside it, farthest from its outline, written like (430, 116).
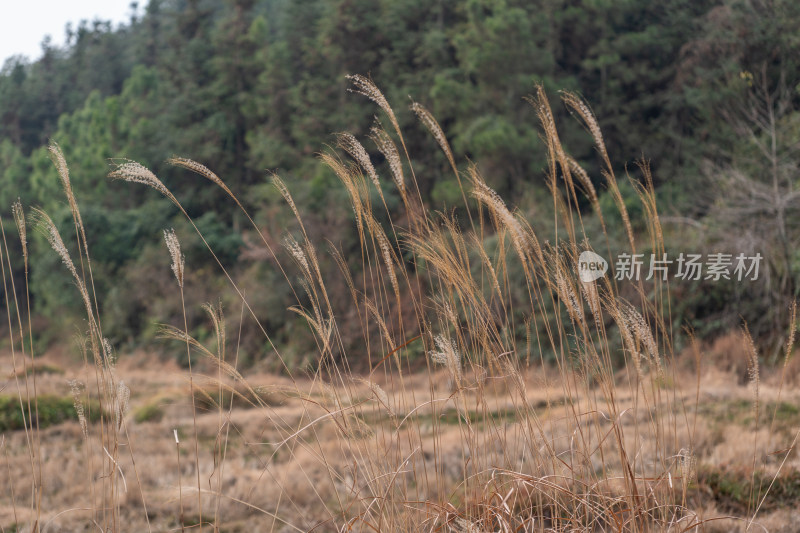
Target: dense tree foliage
(249, 87)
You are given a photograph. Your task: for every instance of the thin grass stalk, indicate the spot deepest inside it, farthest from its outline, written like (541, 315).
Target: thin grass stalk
(26, 420)
(19, 219)
(178, 269)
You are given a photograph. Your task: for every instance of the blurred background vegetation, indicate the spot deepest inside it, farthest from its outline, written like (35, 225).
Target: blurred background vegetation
(706, 90)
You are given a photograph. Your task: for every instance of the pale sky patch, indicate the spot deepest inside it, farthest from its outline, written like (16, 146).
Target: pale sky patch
(24, 23)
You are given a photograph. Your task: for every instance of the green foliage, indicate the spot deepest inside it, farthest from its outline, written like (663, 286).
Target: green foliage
(632, 204)
(738, 491)
(225, 243)
(149, 412)
(52, 410)
(15, 172)
(250, 86)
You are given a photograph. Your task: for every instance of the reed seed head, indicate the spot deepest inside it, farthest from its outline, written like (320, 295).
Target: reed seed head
(76, 389)
(352, 146)
(427, 118)
(387, 147)
(178, 260)
(122, 397)
(202, 170)
(753, 371)
(281, 186)
(365, 87)
(45, 225)
(57, 156)
(687, 465)
(134, 172)
(583, 178)
(449, 356)
(519, 237)
(386, 252)
(582, 110)
(380, 395)
(296, 251)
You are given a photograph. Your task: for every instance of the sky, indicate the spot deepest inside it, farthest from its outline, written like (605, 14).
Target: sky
(24, 23)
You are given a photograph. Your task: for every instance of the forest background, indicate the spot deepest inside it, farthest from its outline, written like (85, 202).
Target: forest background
(706, 91)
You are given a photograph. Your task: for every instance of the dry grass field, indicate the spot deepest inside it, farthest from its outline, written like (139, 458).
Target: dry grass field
(256, 474)
(501, 392)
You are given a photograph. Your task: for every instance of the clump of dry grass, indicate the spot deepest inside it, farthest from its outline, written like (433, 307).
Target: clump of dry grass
(576, 449)
(104, 443)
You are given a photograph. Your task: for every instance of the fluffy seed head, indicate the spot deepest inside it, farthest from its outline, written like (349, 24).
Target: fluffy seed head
(364, 86)
(687, 465)
(58, 160)
(430, 122)
(352, 146)
(637, 325)
(629, 341)
(642, 330)
(379, 394)
(174, 247)
(202, 170)
(449, 356)
(387, 336)
(583, 177)
(122, 396)
(487, 196)
(389, 151)
(592, 296)
(45, 225)
(296, 251)
(281, 186)
(134, 172)
(76, 389)
(386, 252)
(63, 171)
(217, 317)
(753, 372)
(545, 113)
(567, 294)
(582, 110)
(109, 353)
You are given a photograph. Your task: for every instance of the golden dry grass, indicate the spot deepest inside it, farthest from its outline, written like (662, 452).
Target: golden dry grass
(495, 430)
(718, 447)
